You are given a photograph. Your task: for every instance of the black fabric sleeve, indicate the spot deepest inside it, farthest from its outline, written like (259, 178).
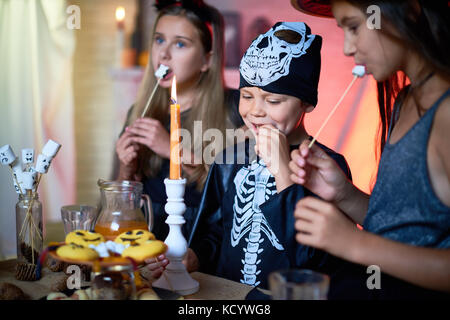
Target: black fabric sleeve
(205, 239)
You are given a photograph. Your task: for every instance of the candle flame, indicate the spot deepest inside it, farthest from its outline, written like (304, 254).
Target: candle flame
(173, 95)
(120, 14)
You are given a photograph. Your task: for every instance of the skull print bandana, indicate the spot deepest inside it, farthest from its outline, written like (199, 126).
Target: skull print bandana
(284, 66)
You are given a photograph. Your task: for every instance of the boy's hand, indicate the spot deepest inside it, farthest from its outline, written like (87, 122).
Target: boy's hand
(272, 146)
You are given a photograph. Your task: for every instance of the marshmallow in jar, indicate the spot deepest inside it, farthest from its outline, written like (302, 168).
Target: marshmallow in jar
(27, 156)
(42, 163)
(50, 149)
(29, 180)
(7, 155)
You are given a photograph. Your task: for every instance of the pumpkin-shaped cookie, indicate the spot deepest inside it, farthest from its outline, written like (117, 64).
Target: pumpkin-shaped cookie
(148, 249)
(138, 235)
(76, 252)
(84, 238)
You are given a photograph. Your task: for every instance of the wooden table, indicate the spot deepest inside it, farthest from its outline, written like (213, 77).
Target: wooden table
(211, 287)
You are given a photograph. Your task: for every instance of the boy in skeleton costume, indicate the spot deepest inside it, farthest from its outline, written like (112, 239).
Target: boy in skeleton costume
(245, 226)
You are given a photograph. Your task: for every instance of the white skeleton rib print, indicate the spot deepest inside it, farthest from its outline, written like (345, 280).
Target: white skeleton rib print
(254, 186)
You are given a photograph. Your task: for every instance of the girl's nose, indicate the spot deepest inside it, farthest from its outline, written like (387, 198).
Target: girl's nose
(164, 53)
(349, 47)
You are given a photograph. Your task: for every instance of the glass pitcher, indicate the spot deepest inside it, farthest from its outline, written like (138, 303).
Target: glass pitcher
(121, 208)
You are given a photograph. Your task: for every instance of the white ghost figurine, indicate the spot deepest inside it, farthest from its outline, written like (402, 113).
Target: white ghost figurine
(7, 155)
(42, 163)
(27, 156)
(51, 148)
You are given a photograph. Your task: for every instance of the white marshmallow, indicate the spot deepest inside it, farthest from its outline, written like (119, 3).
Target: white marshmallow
(7, 155)
(162, 71)
(43, 163)
(51, 148)
(17, 166)
(27, 156)
(18, 178)
(29, 180)
(359, 71)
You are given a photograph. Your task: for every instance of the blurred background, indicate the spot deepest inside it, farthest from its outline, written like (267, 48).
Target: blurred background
(70, 69)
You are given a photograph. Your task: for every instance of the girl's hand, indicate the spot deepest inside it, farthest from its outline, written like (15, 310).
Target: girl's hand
(151, 133)
(272, 146)
(127, 152)
(322, 225)
(158, 265)
(314, 169)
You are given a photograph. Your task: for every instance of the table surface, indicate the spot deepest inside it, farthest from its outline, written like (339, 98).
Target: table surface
(211, 287)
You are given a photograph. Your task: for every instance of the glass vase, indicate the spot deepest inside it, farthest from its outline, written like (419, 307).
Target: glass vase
(29, 228)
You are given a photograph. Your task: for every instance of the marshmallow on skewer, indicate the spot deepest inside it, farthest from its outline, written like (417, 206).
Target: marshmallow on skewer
(359, 71)
(18, 182)
(50, 149)
(29, 180)
(162, 71)
(16, 166)
(7, 156)
(42, 163)
(27, 156)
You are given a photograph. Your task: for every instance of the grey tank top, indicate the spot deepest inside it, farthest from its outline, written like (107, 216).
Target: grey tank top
(403, 205)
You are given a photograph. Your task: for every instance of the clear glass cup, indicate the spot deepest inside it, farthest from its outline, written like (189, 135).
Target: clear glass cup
(78, 217)
(298, 284)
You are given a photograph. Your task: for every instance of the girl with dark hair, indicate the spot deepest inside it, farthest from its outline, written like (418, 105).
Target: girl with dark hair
(406, 219)
(188, 38)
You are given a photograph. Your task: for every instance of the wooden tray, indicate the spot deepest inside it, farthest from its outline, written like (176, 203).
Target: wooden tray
(102, 262)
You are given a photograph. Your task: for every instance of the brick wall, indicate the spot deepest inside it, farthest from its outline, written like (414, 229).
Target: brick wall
(94, 106)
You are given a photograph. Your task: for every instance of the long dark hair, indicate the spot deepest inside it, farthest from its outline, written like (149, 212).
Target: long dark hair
(423, 25)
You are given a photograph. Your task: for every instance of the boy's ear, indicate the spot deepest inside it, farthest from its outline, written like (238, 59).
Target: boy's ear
(208, 60)
(307, 107)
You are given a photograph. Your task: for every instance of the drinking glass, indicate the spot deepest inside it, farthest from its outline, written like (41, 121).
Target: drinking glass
(78, 217)
(298, 284)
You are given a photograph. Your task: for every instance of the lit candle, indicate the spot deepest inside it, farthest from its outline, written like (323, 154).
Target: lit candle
(175, 125)
(120, 41)
(120, 17)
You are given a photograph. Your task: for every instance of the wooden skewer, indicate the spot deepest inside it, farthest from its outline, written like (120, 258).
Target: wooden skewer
(332, 112)
(28, 216)
(150, 98)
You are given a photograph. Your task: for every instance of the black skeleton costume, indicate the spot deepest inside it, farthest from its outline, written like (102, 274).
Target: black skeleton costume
(245, 229)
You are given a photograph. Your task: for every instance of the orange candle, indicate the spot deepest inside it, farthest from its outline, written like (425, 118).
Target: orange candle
(175, 125)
